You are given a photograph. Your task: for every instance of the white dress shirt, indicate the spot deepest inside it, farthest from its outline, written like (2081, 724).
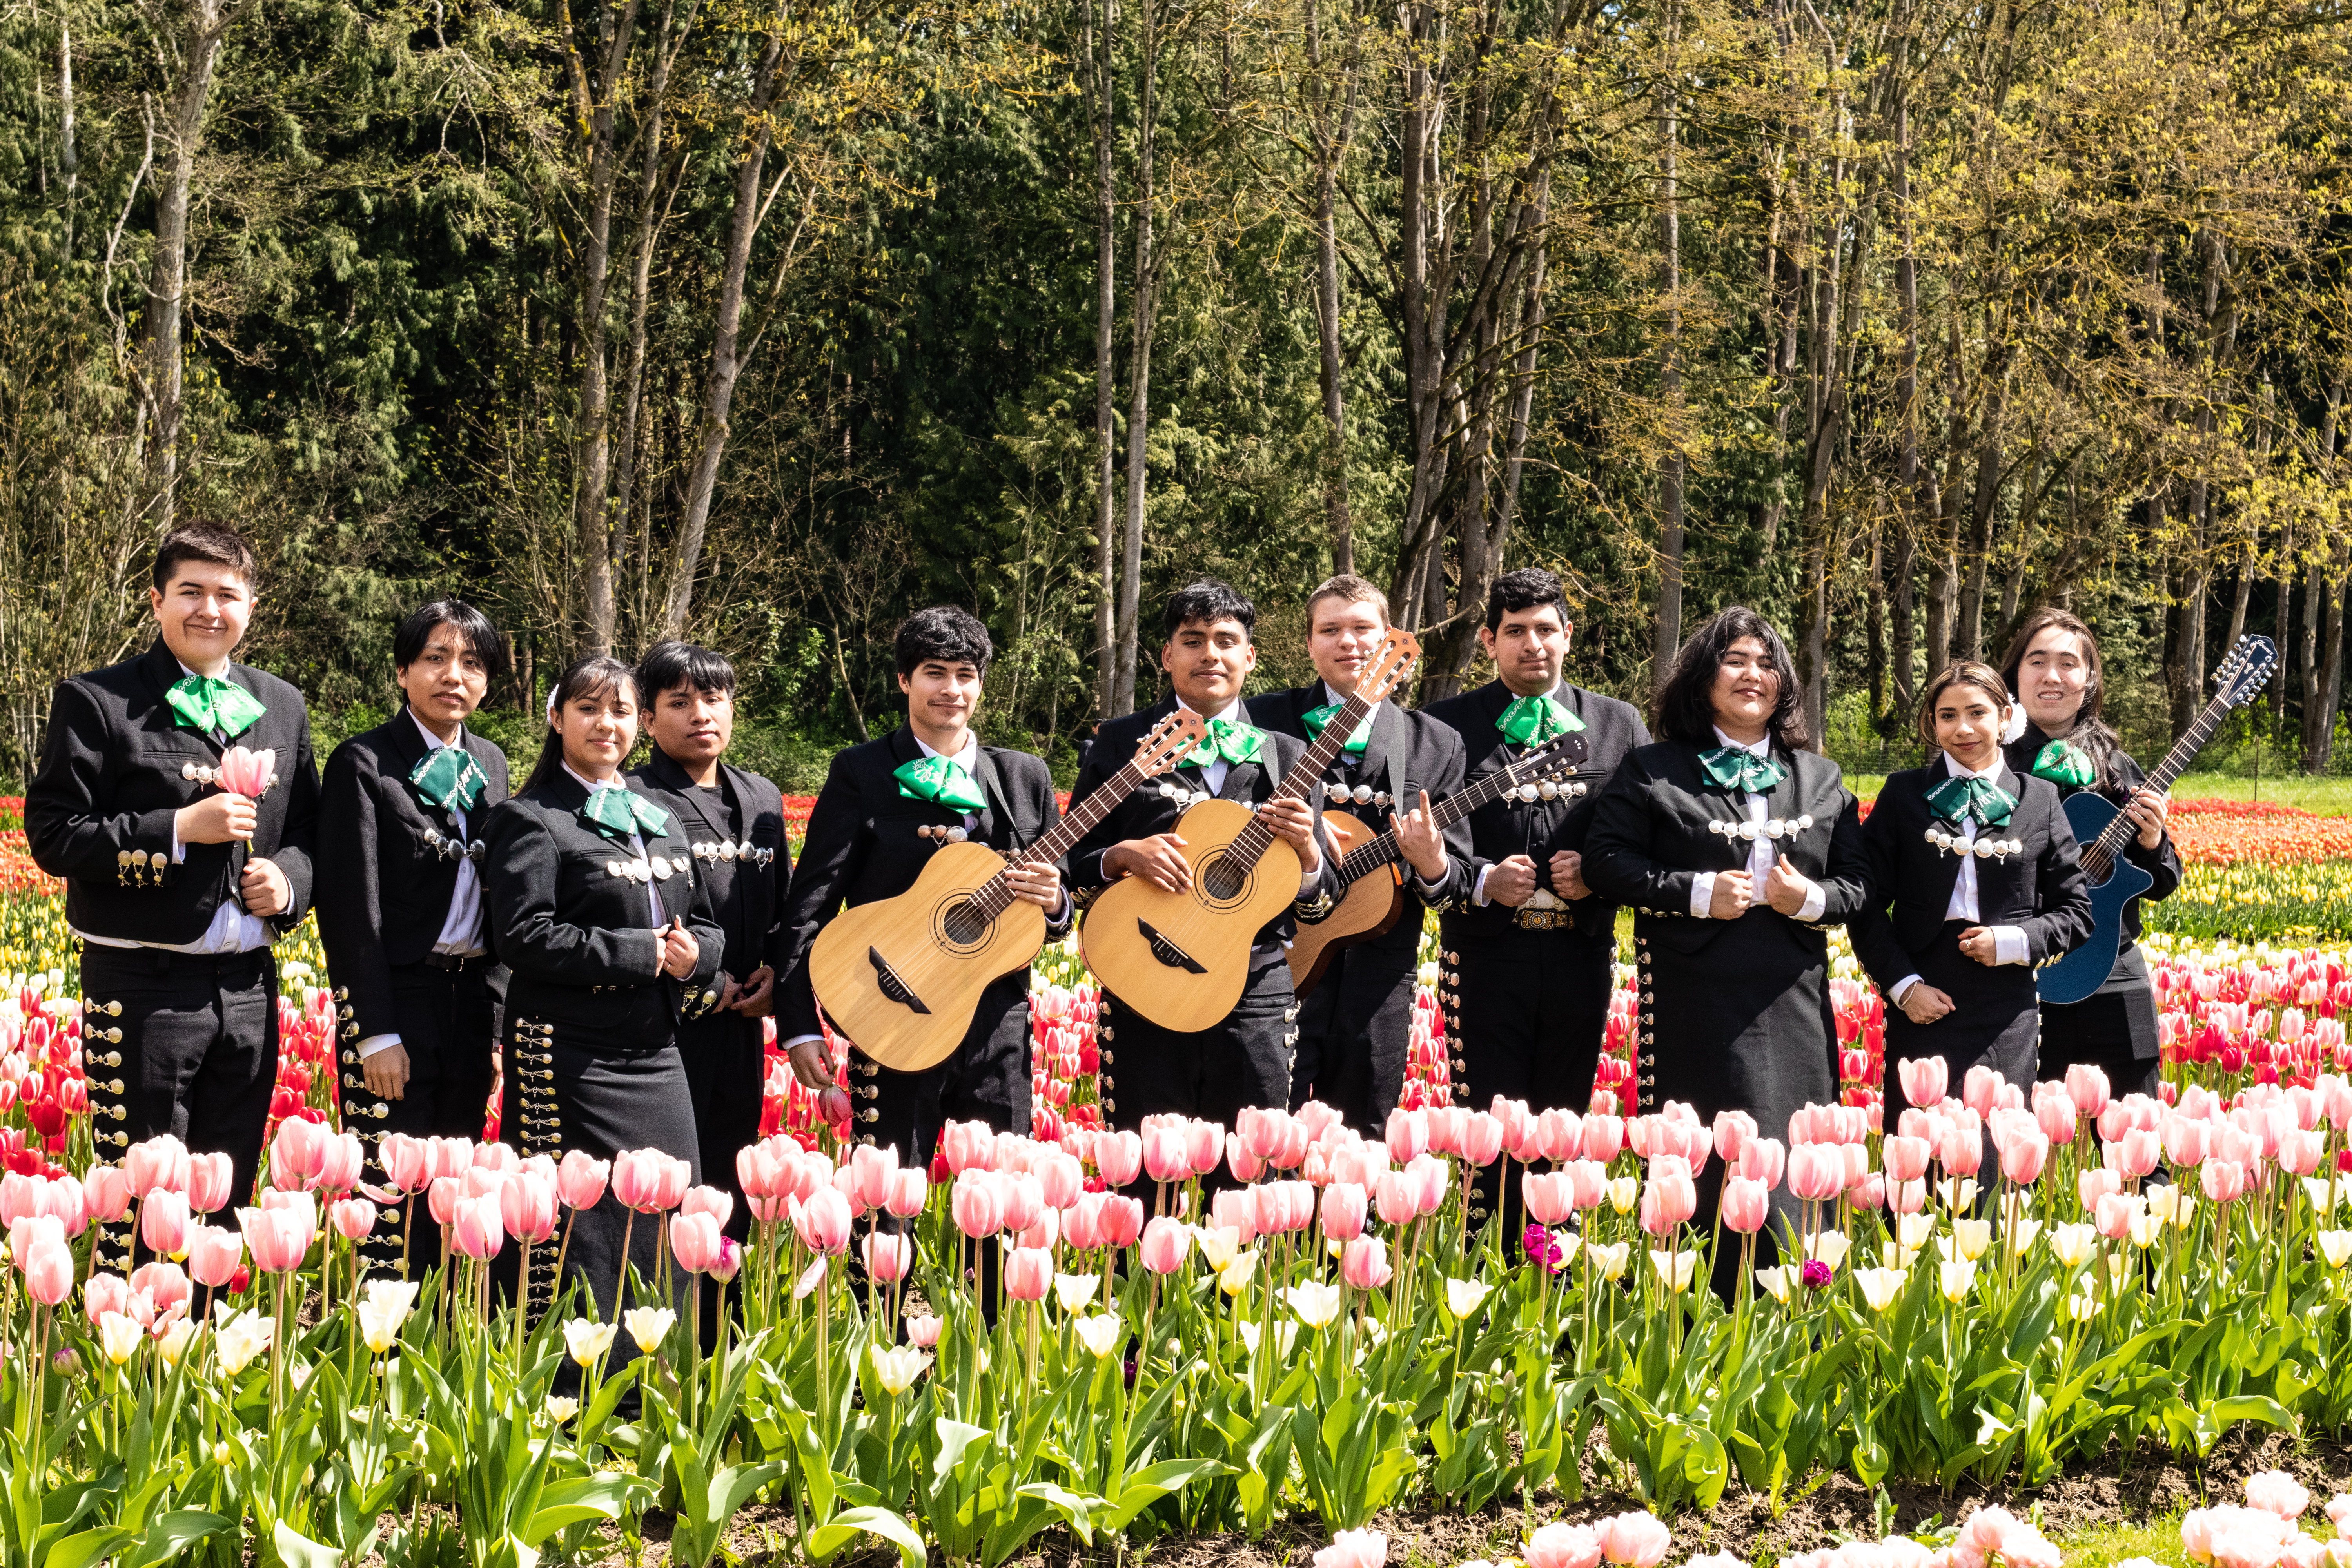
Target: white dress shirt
(1542, 898)
(2008, 944)
(461, 928)
(1762, 854)
(234, 929)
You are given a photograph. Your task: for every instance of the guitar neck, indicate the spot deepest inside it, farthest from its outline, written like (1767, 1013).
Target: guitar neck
(1254, 840)
(2099, 856)
(1383, 850)
(995, 896)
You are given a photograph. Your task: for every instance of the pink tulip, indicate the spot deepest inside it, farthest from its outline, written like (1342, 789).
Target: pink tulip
(909, 1190)
(759, 1170)
(976, 1204)
(1925, 1080)
(104, 1293)
(1905, 1159)
(1123, 1220)
(106, 1193)
(1343, 1207)
(1167, 1244)
(246, 771)
(164, 1222)
(694, 1240)
(1028, 1274)
(1354, 1549)
(1563, 1546)
(214, 1255)
(1482, 1138)
(676, 1176)
(889, 1257)
(1634, 1539)
(2135, 1153)
(2184, 1140)
(1669, 1197)
(824, 1220)
(1761, 1160)
(1166, 1156)
(1907, 1197)
(2022, 1159)
(923, 1332)
(637, 1179)
(1550, 1198)
(352, 1217)
(209, 1176)
(1591, 1179)
(2093, 1184)
(1604, 1137)
(297, 1153)
(338, 1163)
(1407, 1133)
(1562, 1133)
(2086, 1085)
(477, 1231)
(1816, 1172)
(1245, 1166)
(158, 1161)
(1980, 1090)
(580, 1179)
(872, 1169)
(527, 1209)
(280, 1238)
(1959, 1152)
(1023, 1199)
(716, 1202)
(407, 1161)
(2300, 1152)
(2113, 1215)
(1746, 1204)
(1204, 1145)
(48, 1272)
(1260, 1131)
(1118, 1158)
(969, 1145)
(1364, 1262)
(2225, 1180)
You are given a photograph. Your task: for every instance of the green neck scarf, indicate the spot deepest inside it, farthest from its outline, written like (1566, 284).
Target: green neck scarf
(2064, 762)
(1980, 798)
(1532, 721)
(942, 780)
(616, 812)
(449, 778)
(1318, 719)
(214, 706)
(1228, 739)
(1738, 768)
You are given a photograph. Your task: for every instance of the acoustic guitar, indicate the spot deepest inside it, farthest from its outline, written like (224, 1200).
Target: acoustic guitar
(1181, 959)
(901, 977)
(1373, 903)
(2104, 833)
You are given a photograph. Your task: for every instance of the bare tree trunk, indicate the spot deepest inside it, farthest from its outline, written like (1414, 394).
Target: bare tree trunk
(1145, 290)
(1423, 323)
(726, 363)
(1913, 507)
(68, 148)
(1669, 629)
(1331, 145)
(1943, 573)
(2013, 584)
(207, 23)
(2322, 686)
(1102, 87)
(1987, 497)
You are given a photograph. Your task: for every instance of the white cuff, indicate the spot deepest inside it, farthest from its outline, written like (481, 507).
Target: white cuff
(1478, 893)
(803, 1040)
(179, 850)
(1701, 894)
(2008, 944)
(1815, 902)
(375, 1043)
(1307, 880)
(1897, 991)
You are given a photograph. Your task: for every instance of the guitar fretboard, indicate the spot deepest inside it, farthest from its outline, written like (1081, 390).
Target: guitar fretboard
(1366, 859)
(2099, 855)
(993, 897)
(1252, 840)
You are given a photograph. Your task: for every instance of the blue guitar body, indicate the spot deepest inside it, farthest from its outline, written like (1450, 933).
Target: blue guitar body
(2085, 970)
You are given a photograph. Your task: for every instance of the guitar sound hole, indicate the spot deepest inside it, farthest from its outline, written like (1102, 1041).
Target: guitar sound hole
(1222, 880)
(965, 924)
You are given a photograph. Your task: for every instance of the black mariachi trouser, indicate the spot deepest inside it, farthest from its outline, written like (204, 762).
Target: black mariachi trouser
(446, 1011)
(1210, 1073)
(559, 1096)
(196, 1057)
(1525, 1014)
(1355, 1030)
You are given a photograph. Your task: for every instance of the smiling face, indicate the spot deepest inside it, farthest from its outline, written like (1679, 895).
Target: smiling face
(691, 725)
(1341, 637)
(1529, 648)
(1967, 724)
(1207, 661)
(203, 612)
(599, 729)
(445, 683)
(942, 700)
(2052, 678)
(1747, 689)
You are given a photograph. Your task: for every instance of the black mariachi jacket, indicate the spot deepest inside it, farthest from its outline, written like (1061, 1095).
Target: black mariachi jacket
(2163, 862)
(395, 860)
(576, 932)
(2040, 889)
(746, 891)
(1538, 828)
(1650, 840)
(1408, 753)
(114, 772)
(1147, 813)
(862, 847)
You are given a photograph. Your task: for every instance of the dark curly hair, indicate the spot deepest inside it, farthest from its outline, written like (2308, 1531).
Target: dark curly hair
(1685, 705)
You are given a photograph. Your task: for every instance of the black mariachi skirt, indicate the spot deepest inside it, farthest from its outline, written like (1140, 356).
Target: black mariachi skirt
(1995, 1020)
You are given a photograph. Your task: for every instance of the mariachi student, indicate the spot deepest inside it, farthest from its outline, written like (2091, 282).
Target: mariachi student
(2053, 668)
(1530, 957)
(736, 820)
(1244, 1060)
(1973, 881)
(887, 806)
(1735, 848)
(175, 886)
(417, 984)
(1354, 1027)
(597, 910)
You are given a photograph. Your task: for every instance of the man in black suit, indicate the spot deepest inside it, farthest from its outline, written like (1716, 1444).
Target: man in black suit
(177, 888)
(887, 804)
(1245, 1060)
(1529, 957)
(736, 820)
(1355, 1026)
(417, 988)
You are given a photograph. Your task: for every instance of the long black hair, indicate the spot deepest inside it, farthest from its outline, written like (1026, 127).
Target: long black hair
(591, 677)
(1685, 705)
(2089, 732)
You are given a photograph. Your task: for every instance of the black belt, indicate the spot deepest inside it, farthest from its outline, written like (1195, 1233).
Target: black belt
(165, 962)
(455, 962)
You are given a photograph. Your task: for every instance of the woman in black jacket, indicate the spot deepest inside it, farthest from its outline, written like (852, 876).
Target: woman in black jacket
(597, 910)
(2052, 665)
(1973, 881)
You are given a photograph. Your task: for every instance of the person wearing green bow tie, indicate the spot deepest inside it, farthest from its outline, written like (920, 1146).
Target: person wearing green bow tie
(1974, 879)
(176, 887)
(418, 987)
(2052, 665)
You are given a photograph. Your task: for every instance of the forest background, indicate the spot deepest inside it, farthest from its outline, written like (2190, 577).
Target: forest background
(766, 323)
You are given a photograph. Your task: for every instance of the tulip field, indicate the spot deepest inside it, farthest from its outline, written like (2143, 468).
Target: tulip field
(1078, 1339)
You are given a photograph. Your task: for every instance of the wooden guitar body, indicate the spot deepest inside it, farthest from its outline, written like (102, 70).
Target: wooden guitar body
(901, 977)
(1370, 908)
(1181, 959)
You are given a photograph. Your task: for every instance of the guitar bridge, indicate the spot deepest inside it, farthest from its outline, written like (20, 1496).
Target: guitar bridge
(1168, 953)
(891, 985)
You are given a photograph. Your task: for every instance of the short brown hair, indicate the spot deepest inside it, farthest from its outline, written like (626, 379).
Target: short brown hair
(1355, 590)
(1960, 672)
(212, 542)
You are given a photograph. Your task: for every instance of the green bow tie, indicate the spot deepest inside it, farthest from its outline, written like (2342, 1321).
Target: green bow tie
(616, 812)
(449, 778)
(942, 780)
(1738, 768)
(2064, 762)
(1532, 721)
(1229, 739)
(214, 706)
(1980, 798)
(1318, 719)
